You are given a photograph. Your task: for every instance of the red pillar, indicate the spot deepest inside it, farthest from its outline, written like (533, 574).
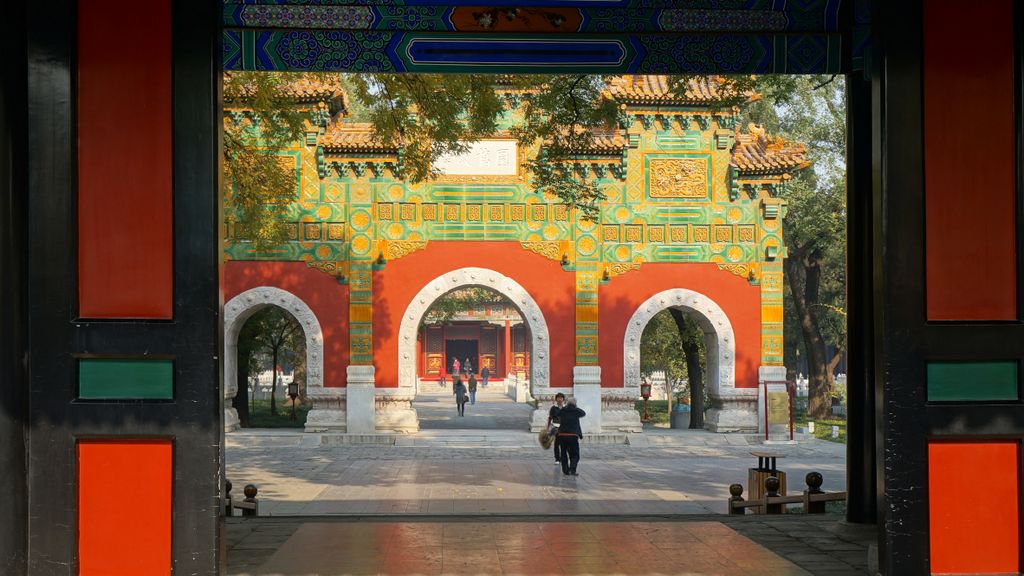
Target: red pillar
(508, 348)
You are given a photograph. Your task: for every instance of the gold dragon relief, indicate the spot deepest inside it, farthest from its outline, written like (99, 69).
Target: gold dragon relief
(678, 178)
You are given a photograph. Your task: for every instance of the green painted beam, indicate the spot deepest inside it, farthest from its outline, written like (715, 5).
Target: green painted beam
(972, 381)
(125, 379)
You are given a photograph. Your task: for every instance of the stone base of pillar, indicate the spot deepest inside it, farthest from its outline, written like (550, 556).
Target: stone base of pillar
(586, 388)
(327, 414)
(394, 413)
(231, 422)
(360, 410)
(735, 414)
(618, 410)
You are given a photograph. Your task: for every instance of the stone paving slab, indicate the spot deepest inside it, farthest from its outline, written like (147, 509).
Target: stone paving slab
(444, 476)
(722, 545)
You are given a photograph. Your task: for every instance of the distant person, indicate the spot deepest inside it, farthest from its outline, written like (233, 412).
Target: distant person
(553, 424)
(460, 397)
(467, 366)
(472, 388)
(485, 375)
(569, 434)
(455, 366)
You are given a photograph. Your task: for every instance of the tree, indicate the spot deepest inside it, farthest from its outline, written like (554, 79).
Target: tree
(260, 183)
(667, 334)
(276, 334)
(813, 111)
(691, 339)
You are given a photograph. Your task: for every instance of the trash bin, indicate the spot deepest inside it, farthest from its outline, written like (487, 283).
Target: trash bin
(680, 416)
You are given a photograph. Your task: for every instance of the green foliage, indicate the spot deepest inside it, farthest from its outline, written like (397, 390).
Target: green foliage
(662, 348)
(428, 115)
(459, 301)
(260, 182)
(812, 109)
(657, 410)
(260, 416)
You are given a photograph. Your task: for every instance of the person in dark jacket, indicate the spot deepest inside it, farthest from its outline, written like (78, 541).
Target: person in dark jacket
(569, 434)
(553, 424)
(460, 397)
(472, 388)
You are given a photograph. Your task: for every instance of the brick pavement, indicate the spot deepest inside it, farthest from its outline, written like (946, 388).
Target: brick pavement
(721, 545)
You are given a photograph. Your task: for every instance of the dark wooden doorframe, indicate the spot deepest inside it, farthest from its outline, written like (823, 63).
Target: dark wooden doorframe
(50, 32)
(13, 288)
(58, 420)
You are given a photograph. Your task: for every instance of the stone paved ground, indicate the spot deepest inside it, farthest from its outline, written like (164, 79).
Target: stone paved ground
(720, 545)
(487, 475)
(506, 472)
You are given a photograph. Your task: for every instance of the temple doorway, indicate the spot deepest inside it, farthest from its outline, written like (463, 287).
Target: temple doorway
(467, 352)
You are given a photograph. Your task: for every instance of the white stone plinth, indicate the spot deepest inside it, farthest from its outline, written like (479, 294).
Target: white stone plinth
(360, 405)
(733, 414)
(230, 419)
(586, 388)
(328, 412)
(394, 411)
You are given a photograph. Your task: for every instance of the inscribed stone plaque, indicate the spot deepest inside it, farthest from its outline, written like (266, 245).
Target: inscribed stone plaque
(778, 408)
(484, 158)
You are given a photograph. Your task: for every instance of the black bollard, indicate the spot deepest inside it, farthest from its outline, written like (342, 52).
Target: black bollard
(814, 480)
(227, 498)
(250, 498)
(737, 496)
(771, 490)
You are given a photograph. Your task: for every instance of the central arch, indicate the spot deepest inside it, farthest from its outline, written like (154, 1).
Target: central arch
(730, 406)
(540, 374)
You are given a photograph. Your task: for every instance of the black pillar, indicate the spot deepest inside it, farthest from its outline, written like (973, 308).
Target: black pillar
(13, 321)
(860, 420)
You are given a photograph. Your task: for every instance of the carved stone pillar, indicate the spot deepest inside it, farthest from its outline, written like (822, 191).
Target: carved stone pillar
(360, 412)
(586, 388)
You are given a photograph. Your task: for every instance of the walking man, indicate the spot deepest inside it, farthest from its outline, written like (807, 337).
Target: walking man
(460, 397)
(553, 424)
(472, 388)
(485, 374)
(569, 434)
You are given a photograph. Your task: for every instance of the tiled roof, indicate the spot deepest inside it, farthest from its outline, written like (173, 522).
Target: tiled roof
(755, 152)
(656, 89)
(353, 136)
(603, 142)
(303, 88)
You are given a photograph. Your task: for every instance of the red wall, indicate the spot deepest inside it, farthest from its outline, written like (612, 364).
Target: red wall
(621, 297)
(551, 287)
(970, 175)
(321, 292)
(125, 207)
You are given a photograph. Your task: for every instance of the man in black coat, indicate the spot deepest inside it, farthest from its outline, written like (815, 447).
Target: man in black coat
(569, 434)
(553, 424)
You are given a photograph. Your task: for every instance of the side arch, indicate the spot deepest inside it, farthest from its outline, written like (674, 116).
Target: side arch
(540, 374)
(721, 350)
(239, 309)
